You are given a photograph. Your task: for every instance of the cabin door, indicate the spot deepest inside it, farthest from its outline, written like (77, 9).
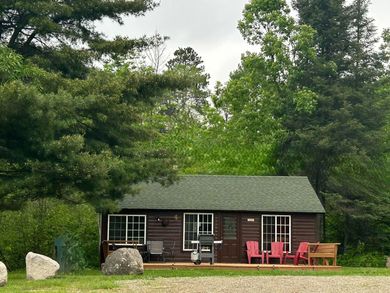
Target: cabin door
(230, 251)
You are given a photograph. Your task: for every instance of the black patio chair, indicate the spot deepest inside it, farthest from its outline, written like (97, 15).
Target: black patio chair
(155, 248)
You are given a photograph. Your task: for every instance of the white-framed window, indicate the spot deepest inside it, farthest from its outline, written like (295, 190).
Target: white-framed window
(195, 224)
(275, 228)
(128, 228)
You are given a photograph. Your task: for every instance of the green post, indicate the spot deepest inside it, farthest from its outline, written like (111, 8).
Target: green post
(60, 254)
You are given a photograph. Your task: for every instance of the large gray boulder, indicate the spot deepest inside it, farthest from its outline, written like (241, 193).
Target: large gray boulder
(40, 267)
(3, 274)
(124, 261)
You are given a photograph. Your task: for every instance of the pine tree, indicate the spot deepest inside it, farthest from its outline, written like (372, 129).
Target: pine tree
(329, 19)
(61, 35)
(344, 141)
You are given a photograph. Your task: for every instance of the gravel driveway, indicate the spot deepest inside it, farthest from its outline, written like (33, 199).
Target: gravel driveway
(272, 284)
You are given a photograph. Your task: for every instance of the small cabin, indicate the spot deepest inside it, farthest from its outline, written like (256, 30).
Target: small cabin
(235, 209)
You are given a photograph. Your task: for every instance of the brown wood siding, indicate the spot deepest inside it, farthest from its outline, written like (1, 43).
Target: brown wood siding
(305, 227)
(250, 231)
(217, 232)
(103, 234)
(171, 233)
(166, 229)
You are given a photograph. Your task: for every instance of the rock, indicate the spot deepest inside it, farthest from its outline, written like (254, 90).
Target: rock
(40, 267)
(388, 262)
(124, 261)
(3, 274)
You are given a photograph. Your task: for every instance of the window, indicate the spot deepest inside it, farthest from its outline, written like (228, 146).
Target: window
(195, 224)
(128, 228)
(229, 228)
(276, 228)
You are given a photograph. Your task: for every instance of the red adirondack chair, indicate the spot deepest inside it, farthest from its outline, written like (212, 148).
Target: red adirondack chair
(276, 251)
(252, 251)
(301, 253)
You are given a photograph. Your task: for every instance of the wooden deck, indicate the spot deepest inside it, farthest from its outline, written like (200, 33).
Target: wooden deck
(235, 266)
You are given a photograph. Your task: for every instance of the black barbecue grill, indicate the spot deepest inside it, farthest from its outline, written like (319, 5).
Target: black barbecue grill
(206, 248)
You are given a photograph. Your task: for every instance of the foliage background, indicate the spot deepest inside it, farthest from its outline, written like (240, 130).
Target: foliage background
(314, 100)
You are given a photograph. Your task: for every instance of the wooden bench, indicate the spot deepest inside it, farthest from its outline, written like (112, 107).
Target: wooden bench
(324, 251)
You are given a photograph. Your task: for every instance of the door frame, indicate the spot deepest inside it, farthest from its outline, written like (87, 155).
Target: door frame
(239, 236)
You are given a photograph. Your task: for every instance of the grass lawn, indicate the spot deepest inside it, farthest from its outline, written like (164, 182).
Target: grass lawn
(94, 280)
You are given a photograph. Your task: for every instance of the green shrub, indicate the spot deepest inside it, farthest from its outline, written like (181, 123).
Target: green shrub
(39, 223)
(359, 257)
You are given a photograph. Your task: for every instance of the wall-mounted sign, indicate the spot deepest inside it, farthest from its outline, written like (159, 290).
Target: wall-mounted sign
(250, 220)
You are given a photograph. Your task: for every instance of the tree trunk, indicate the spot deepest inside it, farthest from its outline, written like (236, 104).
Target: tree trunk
(346, 234)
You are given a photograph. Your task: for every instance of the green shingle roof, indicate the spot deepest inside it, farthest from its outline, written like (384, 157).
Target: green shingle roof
(228, 193)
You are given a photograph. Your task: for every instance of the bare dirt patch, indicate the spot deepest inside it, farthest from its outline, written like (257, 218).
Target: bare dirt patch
(355, 284)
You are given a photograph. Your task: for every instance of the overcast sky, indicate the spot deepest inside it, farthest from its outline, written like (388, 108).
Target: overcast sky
(209, 27)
